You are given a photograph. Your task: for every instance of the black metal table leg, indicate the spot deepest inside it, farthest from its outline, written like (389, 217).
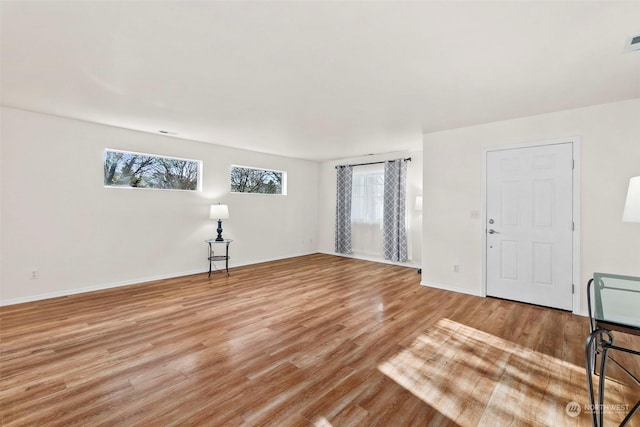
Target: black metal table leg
(210, 255)
(226, 261)
(590, 356)
(630, 414)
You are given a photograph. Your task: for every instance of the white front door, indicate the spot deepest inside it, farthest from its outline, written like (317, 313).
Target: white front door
(529, 224)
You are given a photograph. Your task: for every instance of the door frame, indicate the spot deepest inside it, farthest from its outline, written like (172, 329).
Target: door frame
(575, 144)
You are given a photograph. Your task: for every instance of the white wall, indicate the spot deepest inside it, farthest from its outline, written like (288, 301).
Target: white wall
(327, 202)
(610, 155)
(58, 218)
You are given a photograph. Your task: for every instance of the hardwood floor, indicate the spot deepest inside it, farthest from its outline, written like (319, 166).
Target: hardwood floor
(315, 340)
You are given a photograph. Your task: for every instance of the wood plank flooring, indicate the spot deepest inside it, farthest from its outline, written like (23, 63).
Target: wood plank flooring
(309, 341)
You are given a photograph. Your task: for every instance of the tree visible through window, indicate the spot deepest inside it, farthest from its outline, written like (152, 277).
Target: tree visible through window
(125, 169)
(253, 180)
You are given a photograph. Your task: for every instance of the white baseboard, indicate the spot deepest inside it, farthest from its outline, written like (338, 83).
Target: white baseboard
(469, 292)
(408, 264)
(261, 260)
(100, 287)
(581, 313)
(451, 288)
(68, 292)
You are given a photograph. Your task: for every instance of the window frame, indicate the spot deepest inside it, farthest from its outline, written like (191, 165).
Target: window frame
(364, 174)
(283, 189)
(198, 163)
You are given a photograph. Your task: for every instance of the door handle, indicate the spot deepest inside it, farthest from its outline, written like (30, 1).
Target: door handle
(492, 231)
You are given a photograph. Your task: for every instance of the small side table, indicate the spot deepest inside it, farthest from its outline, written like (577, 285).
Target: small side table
(614, 307)
(213, 257)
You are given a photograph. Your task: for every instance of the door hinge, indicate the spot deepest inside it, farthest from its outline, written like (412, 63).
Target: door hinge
(573, 226)
(573, 164)
(573, 288)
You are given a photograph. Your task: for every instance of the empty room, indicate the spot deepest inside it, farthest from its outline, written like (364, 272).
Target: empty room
(320, 213)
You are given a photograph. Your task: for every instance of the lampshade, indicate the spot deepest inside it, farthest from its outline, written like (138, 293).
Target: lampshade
(632, 205)
(418, 203)
(219, 212)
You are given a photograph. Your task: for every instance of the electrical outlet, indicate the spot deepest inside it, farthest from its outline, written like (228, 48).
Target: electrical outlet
(475, 214)
(456, 268)
(35, 274)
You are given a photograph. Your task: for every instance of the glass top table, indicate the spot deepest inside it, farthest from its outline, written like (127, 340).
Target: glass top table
(614, 305)
(617, 301)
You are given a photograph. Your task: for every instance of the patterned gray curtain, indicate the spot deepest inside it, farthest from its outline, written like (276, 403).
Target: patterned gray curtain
(343, 209)
(394, 231)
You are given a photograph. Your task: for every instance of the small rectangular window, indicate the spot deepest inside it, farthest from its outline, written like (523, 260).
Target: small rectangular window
(260, 181)
(139, 170)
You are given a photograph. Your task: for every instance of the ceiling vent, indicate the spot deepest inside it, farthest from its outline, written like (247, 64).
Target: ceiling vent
(635, 43)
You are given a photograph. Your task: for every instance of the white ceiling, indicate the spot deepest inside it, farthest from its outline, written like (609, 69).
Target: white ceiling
(315, 80)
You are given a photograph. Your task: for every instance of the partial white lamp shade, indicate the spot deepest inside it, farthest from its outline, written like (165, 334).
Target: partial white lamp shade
(418, 203)
(632, 205)
(219, 212)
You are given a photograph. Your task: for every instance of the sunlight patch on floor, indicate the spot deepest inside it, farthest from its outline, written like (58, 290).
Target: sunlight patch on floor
(322, 422)
(475, 378)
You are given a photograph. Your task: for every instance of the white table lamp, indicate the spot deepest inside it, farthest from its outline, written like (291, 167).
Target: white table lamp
(219, 212)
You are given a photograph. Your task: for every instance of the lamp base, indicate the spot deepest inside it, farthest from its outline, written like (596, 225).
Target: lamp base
(219, 230)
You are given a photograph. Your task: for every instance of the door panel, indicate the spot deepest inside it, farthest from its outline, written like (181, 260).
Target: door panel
(529, 241)
(509, 259)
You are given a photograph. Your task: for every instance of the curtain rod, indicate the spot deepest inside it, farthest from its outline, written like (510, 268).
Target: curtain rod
(408, 159)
